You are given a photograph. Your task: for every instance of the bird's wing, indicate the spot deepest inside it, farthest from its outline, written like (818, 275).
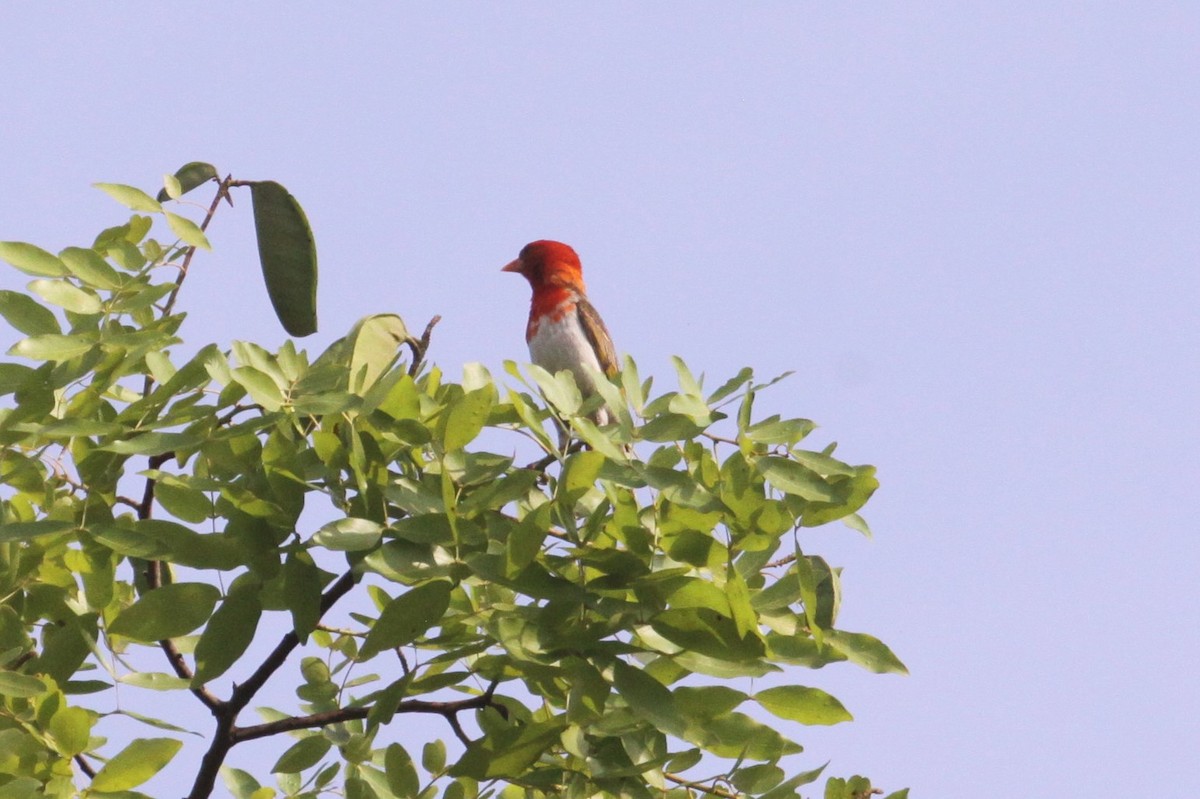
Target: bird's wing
(597, 335)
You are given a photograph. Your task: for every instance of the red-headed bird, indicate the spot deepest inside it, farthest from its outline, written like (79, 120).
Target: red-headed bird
(564, 330)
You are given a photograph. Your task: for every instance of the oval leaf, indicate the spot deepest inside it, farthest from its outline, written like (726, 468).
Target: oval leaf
(188, 177)
(407, 616)
(27, 315)
(66, 296)
(229, 632)
(803, 704)
(288, 255)
(136, 763)
(53, 347)
(20, 685)
(130, 197)
(166, 612)
(187, 231)
(32, 260)
(305, 753)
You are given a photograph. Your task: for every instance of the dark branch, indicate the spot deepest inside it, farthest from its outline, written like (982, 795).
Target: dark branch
(227, 735)
(243, 693)
(420, 347)
(447, 710)
(85, 766)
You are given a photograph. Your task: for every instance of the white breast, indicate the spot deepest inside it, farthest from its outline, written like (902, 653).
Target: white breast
(562, 344)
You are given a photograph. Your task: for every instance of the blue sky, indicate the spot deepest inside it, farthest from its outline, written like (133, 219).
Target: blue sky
(971, 229)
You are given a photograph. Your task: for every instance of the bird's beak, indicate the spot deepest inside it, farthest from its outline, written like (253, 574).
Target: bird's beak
(517, 266)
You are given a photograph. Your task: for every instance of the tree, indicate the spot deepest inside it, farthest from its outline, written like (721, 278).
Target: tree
(584, 624)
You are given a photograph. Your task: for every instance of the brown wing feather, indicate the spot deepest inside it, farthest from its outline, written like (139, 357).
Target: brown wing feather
(598, 336)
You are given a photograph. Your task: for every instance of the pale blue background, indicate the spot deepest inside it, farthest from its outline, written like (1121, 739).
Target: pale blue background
(972, 229)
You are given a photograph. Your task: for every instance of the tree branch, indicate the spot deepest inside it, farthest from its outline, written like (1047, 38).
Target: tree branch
(447, 710)
(710, 790)
(227, 712)
(85, 766)
(222, 194)
(243, 693)
(420, 347)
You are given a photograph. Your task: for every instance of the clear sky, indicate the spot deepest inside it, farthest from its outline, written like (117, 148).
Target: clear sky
(971, 228)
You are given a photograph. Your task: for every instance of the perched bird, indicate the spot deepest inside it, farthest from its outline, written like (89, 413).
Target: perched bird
(564, 330)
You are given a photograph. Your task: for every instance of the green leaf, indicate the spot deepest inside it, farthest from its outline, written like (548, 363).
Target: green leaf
(13, 377)
(787, 789)
(27, 315)
(401, 773)
(25, 531)
(53, 347)
(900, 794)
(793, 478)
(261, 386)
(377, 340)
(802, 704)
(865, 650)
(854, 491)
(467, 416)
(20, 685)
(349, 535)
(166, 612)
(153, 680)
(302, 593)
(433, 756)
(130, 197)
(407, 617)
(187, 231)
(774, 431)
(71, 728)
(91, 268)
(579, 475)
(303, 754)
(559, 390)
(733, 384)
(229, 631)
(239, 783)
(136, 763)
(288, 256)
(32, 260)
(647, 698)
(188, 177)
(66, 296)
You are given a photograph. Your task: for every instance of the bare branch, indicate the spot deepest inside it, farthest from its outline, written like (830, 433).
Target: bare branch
(420, 346)
(85, 766)
(447, 710)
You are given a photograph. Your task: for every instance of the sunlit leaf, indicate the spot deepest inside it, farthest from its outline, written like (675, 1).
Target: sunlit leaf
(803, 704)
(132, 198)
(32, 260)
(303, 754)
(188, 177)
(187, 231)
(407, 617)
(166, 612)
(27, 315)
(136, 763)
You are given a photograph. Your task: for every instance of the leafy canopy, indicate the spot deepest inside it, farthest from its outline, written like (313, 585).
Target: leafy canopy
(587, 623)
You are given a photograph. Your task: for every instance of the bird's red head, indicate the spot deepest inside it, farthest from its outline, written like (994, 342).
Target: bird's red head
(547, 264)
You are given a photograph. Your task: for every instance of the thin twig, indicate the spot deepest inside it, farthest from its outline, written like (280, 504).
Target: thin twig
(85, 766)
(420, 347)
(448, 710)
(712, 790)
(785, 560)
(222, 194)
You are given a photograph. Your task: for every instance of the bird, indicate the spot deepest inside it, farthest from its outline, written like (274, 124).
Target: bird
(564, 331)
